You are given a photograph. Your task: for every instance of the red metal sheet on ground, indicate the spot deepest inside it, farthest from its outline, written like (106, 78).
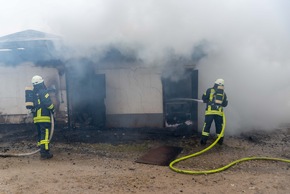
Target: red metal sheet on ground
(161, 156)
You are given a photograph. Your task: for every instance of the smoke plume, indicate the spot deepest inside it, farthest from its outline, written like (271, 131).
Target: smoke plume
(247, 44)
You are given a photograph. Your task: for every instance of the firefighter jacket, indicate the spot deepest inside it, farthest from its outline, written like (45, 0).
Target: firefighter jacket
(43, 105)
(209, 97)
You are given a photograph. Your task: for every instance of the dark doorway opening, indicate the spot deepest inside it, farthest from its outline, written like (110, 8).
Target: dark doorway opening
(178, 108)
(86, 94)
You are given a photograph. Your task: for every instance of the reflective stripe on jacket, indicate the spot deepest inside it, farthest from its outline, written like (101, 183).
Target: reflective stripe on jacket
(211, 107)
(43, 107)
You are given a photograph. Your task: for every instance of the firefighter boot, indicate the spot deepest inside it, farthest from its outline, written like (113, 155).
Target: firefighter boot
(221, 140)
(46, 155)
(203, 140)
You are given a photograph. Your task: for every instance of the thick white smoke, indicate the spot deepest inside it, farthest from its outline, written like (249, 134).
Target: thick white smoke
(250, 52)
(248, 43)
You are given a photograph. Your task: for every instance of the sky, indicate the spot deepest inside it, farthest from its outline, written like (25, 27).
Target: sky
(248, 43)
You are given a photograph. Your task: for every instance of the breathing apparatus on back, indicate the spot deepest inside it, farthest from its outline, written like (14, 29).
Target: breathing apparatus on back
(29, 98)
(36, 81)
(219, 92)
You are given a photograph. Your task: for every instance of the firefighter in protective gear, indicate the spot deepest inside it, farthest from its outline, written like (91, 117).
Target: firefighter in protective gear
(43, 108)
(215, 99)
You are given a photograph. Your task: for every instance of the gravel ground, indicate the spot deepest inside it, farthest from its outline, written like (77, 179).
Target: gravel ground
(96, 161)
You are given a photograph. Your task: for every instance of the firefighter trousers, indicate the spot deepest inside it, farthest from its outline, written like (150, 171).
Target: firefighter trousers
(207, 124)
(43, 130)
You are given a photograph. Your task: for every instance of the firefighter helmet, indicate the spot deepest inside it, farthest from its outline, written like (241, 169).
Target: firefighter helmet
(36, 80)
(220, 82)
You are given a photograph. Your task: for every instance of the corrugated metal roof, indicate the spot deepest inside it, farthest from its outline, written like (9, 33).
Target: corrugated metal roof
(28, 46)
(28, 35)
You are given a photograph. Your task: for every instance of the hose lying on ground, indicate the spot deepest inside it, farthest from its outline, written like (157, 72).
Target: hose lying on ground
(196, 172)
(34, 152)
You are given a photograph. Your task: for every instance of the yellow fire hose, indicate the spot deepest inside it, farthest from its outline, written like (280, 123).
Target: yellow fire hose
(196, 172)
(34, 152)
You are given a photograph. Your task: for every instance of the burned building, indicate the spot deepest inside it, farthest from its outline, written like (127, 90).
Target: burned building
(115, 90)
